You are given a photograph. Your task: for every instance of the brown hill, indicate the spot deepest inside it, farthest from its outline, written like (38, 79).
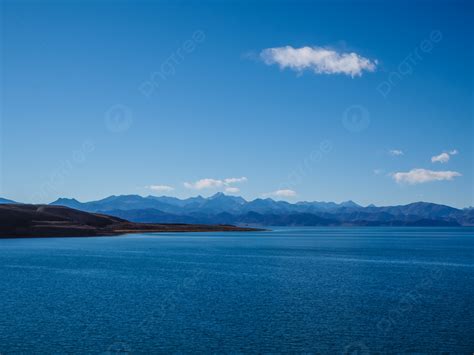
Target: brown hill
(22, 220)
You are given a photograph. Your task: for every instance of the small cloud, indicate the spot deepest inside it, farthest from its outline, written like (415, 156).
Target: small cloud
(378, 171)
(235, 180)
(232, 190)
(395, 152)
(160, 188)
(213, 183)
(283, 193)
(204, 184)
(420, 176)
(443, 157)
(318, 59)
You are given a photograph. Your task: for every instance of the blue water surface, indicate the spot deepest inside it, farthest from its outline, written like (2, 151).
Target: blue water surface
(305, 290)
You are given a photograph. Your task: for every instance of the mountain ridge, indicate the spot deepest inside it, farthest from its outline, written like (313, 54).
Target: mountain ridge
(222, 208)
(265, 211)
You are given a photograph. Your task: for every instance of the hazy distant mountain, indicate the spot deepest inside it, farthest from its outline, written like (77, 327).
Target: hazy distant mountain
(221, 208)
(149, 215)
(123, 202)
(423, 209)
(69, 202)
(467, 217)
(4, 200)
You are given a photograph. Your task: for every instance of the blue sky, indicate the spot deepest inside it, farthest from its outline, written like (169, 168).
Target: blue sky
(150, 97)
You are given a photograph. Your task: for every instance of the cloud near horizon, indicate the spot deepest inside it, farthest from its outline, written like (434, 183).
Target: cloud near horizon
(319, 60)
(443, 157)
(160, 188)
(209, 183)
(420, 176)
(283, 193)
(235, 180)
(395, 152)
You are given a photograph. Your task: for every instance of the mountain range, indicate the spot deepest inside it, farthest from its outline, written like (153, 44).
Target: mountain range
(226, 209)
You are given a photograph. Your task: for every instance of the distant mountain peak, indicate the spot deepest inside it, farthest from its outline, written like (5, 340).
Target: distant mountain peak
(349, 203)
(268, 199)
(7, 201)
(217, 195)
(220, 196)
(64, 199)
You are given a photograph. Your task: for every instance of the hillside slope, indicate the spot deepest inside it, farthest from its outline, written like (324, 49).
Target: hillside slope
(21, 220)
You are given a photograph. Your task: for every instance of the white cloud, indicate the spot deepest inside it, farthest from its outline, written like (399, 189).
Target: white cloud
(232, 190)
(235, 180)
(204, 184)
(284, 193)
(318, 59)
(160, 188)
(395, 152)
(443, 157)
(378, 171)
(419, 176)
(213, 183)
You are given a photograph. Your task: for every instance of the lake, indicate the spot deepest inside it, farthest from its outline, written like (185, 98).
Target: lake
(324, 290)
